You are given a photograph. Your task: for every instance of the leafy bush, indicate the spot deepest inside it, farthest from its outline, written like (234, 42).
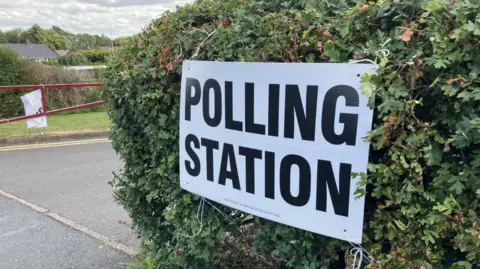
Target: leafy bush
(29, 72)
(95, 56)
(422, 189)
(35, 73)
(73, 59)
(10, 64)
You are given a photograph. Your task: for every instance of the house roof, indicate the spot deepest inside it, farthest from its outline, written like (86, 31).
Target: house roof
(32, 50)
(62, 52)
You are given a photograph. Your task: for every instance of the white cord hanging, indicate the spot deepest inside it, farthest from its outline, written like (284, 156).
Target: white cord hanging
(358, 253)
(197, 50)
(383, 53)
(200, 210)
(227, 217)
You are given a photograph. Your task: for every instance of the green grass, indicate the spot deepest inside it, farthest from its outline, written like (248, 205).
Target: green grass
(59, 124)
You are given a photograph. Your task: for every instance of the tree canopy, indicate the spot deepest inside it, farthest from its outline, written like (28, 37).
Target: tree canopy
(57, 38)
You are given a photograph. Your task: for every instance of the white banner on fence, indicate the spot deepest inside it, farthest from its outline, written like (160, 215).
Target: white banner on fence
(32, 104)
(277, 140)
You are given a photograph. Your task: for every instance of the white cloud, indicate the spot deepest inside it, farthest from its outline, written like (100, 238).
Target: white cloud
(126, 17)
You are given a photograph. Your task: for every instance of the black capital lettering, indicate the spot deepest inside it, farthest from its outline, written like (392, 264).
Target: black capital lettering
(192, 100)
(350, 121)
(209, 145)
(306, 118)
(304, 178)
(230, 123)
(250, 156)
(326, 179)
(212, 84)
(273, 109)
(270, 174)
(250, 125)
(228, 156)
(195, 170)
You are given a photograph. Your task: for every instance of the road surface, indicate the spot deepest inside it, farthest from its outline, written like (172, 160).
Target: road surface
(29, 239)
(68, 180)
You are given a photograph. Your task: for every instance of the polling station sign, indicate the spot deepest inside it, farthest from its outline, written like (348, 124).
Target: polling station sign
(277, 140)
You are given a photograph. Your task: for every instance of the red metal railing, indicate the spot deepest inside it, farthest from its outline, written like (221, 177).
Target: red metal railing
(45, 111)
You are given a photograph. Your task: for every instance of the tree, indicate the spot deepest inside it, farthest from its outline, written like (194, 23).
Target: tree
(13, 36)
(121, 41)
(85, 40)
(60, 31)
(34, 34)
(103, 41)
(53, 39)
(3, 38)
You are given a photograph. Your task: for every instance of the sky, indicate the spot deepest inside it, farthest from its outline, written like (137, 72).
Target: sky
(126, 17)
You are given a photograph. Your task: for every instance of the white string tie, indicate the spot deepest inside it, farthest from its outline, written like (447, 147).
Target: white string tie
(197, 50)
(383, 53)
(356, 252)
(200, 210)
(225, 215)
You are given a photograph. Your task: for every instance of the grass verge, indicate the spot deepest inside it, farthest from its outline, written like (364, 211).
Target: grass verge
(94, 121)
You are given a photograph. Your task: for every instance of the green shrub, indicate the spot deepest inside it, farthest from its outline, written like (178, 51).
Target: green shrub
(29, 72)
(423, 187)
(52, 62)
(73, 59)
(10, 74)
(95, 56)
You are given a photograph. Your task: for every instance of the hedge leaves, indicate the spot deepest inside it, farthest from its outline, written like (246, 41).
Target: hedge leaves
(423, 185)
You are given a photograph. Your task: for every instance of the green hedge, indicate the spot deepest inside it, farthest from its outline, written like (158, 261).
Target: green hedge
(16, 71)
(11, 70)
(73, 59)
(423, 184)
(95, 56)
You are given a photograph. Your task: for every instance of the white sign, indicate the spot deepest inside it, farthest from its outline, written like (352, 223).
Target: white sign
(32, 104)
(277, 140)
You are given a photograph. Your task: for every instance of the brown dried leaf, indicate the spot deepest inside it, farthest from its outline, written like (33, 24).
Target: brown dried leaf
(407, 35)
(226, 22)
(457, 107)
(457, 79)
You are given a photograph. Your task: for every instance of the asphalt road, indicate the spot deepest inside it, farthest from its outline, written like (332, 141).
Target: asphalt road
(31, 240)
(70, 181)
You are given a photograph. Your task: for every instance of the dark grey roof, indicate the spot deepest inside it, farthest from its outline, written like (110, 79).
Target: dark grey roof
(32, 50)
